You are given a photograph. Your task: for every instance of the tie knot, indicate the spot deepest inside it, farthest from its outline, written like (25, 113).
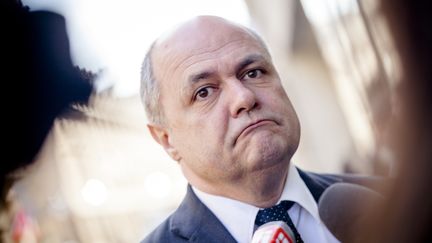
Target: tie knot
(278, 212)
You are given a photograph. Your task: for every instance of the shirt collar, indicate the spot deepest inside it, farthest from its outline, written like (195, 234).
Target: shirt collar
(296, 190)
(241, 223)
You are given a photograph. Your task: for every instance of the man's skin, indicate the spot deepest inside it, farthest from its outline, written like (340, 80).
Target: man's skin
(226, 117)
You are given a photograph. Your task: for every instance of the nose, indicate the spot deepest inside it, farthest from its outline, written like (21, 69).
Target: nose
(242, 98)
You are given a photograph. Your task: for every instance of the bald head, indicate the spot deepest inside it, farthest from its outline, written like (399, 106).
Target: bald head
(195, 36)
(200, 32)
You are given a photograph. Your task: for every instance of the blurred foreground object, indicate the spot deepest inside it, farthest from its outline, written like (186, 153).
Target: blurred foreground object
(407, 214)
(39, 77)
(40, 82)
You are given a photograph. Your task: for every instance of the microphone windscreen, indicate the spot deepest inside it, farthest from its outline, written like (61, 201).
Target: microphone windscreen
(275, 231)
(343, 208)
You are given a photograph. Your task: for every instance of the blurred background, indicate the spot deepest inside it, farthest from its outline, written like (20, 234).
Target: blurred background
(101, 178)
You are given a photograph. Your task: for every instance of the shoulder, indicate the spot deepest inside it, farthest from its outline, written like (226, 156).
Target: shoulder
(163, 233)
(369, 181)
(318, 182)
(190, 221)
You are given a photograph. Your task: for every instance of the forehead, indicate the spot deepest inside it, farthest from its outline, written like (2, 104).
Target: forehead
(196, 41)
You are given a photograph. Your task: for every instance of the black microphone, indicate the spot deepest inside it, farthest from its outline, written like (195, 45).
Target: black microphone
(273, 232)
(343, 208)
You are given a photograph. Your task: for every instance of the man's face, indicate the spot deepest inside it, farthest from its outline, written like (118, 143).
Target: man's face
(227, 116)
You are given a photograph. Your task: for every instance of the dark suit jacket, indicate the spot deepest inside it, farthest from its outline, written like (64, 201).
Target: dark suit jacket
(194, 222)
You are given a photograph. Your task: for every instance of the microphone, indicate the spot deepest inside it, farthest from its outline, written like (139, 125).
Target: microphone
(273, 232)
(343, 208)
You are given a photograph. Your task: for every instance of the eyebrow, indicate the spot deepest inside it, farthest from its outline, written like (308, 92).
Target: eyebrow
(194, 78)
(248, 60)
(252, 58)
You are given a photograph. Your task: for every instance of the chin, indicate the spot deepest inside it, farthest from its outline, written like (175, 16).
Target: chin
(269, 152)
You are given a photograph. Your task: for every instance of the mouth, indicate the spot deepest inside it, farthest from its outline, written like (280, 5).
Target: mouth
(251, 127)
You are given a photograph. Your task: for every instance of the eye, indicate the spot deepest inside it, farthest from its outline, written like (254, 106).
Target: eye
(255, 73)
(204, 93)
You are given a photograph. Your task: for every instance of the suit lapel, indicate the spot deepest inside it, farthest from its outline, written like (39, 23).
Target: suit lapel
(195, 222)
(317, 183)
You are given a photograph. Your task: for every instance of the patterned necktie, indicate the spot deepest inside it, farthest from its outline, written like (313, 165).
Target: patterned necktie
(278, 213)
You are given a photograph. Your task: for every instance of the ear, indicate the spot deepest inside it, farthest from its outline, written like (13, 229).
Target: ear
(161, 135)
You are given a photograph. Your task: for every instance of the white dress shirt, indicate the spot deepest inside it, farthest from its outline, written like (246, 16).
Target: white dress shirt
(239, 218)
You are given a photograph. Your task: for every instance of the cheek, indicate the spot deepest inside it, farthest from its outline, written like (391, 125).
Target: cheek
(281, 106)
(278, 99)
(212, 126)
(213, 117)
(204, 131)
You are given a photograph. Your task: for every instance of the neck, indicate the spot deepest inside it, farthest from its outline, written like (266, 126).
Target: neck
(262, 189)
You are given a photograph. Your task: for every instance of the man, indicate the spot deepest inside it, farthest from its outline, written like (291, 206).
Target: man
(217, 106)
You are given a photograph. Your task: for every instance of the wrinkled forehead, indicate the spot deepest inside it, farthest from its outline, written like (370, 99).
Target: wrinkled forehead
(200, 35)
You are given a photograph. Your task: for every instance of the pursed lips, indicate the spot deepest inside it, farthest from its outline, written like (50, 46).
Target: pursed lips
(249, 128)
